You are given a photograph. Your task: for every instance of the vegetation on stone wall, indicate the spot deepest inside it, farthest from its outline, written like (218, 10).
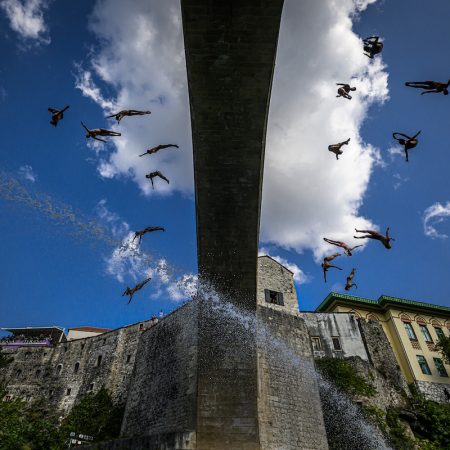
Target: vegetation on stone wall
(443, 346)
(345, 377)
(31, 426)
(4, 360)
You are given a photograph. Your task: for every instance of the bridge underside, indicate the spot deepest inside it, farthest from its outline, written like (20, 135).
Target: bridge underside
(230, 54)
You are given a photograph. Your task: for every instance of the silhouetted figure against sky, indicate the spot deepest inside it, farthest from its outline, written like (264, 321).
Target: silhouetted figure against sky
(57, 115)
(150, 151)
(429, 86)
(336, 148)
(146, 230)
(372, 46)
(385, 240)
(127, 112)
(99, 132)
(348, 250)
(326, 264)
(344, 90)
(157, 173)
(408, 143)
(132, 291)
(349, 283)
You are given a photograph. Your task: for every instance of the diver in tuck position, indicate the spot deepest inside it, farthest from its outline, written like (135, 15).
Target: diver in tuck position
(336, 148)
(408, 143)
(385, 240)
(372, 46)
(344, 90)
(57, 115)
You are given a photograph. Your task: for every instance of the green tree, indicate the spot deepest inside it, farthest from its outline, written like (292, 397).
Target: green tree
(443, 346)
(95, 415)
(25, 427)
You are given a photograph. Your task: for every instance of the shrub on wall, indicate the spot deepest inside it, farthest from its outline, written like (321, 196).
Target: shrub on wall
(443, 346)
(345, 377)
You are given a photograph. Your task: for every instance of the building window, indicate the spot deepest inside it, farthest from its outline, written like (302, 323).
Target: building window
(58, 369)
(439, 333)
(82, 345)
(337, 343)
(68, 391)
(38, 373)
(18, 373)
(425, 333)
(423, 365)
(141, 326)
(99, 360)
(440, 367)
(410, 331)
(91, 387)
(50, 392)
(128, 358)
(65, 349)
(104, 341)
(274, 297)
(76, 368)
(316, 344)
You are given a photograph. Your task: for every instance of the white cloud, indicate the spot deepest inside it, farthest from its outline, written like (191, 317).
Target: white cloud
(26, 17)
(307, 193)
(141, 57)
(395, 150)
(26, 172)
(299, 276)
(129, 262)
(399, 180)
(433, 216)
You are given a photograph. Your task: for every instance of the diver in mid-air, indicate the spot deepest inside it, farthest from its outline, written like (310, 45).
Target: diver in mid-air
(348, 250)
(326, 264)
(57, 114)
(336, 148)
(140, 233)
(344, 90)
(157, 173)
(127, 112)
(152, 150)
(372, 46)
(408, 143)
(132, 291)
(429, 86)
(99, 132)
(384, 239)
(349, 284)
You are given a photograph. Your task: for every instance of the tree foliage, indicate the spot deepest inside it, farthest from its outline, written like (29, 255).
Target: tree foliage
(345, 377)
(32, 426)
(443, 346)
(4, 360)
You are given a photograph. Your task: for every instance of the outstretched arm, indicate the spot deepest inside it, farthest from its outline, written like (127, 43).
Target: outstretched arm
(85, 127)
(336, 267)
(66, 108)
(98, 139)
(417, 134)
(112, 115)
(430, 91)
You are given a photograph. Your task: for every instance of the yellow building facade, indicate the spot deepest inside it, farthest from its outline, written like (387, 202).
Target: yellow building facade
(413, 329)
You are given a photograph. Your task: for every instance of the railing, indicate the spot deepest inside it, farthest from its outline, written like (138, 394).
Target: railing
(25, 342)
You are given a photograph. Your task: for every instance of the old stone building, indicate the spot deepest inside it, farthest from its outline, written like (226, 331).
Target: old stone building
(152, 368)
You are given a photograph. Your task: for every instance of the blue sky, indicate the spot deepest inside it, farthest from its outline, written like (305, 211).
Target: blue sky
(69, 56)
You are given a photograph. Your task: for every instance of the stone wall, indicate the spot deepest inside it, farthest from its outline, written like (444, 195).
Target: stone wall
(274, 276)
(434, 391)
(69, 370)
(344, 326)
(162, 397)
(381, 355)
(290, 413)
